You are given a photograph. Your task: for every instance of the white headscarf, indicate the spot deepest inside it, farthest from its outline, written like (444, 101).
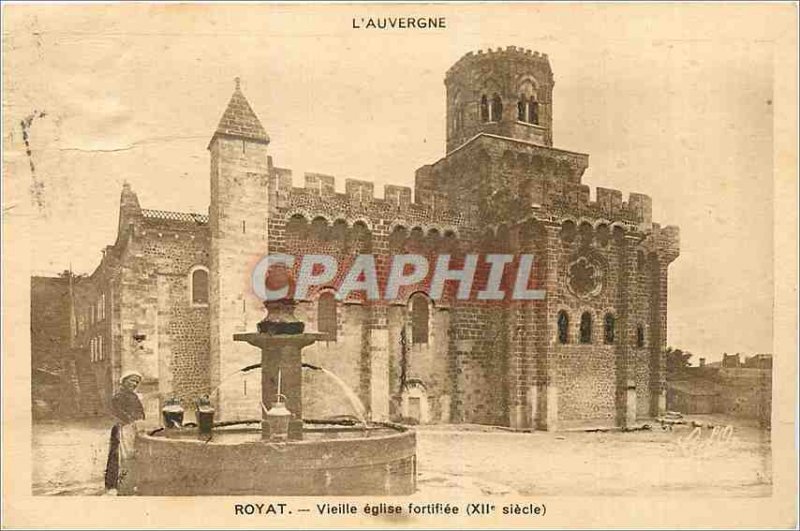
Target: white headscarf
(128, 374)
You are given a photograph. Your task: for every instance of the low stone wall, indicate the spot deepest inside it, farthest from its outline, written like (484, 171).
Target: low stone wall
(738, 392)
(745, 393)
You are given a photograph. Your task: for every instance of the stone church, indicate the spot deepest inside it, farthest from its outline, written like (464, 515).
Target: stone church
(174, 287)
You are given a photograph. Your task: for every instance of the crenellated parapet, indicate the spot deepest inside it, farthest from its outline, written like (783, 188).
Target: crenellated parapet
(638, 209)
(324, 185)
(492, 54)
(501, 180)
(399, 195)
(359, 191)
(608, 205)
(281, 178)
(318, 198)
(664, 242)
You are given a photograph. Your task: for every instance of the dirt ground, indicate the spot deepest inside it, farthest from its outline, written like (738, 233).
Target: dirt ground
(680, 462)
(69, 459)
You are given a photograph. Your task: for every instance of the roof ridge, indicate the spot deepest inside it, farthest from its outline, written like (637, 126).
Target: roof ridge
(174, 215)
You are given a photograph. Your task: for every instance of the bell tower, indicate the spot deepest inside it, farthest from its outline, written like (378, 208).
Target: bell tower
(240, 170)
(504, 92)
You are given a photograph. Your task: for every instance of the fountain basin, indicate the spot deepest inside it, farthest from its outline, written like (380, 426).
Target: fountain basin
(379, 459)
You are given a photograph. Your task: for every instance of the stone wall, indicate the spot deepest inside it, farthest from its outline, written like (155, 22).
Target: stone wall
(745, 393)
(497, 359)
(322, 395)
(158, 329)
(94, 345)
(504, 185)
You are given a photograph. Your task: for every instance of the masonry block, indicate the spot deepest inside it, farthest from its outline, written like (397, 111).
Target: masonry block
(397, 195)
(609, 200)
(320, 184)
(360, 191)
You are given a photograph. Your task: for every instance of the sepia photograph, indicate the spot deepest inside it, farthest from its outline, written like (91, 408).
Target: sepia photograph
(399, 265)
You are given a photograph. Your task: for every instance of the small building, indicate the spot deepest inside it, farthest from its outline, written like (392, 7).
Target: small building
(731, 361)
(758, 361)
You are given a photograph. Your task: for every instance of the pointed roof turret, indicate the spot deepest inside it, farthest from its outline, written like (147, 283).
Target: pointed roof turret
(239, 120)
(129, 210)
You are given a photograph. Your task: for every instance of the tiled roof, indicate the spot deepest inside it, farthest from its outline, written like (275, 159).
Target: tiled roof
(240, 120)
(191, 217)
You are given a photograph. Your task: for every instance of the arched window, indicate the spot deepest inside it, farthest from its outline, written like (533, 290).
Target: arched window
(533, 111)
(586, 327)
(298, 226)
(484, 109)
(497, 108)
(454, 122)
(563, 327)
(458, 112)
(419, 319)
(568, 231)
(640, 336)
(609, 328)
(528, 110)
(199, 285)
(326, 315)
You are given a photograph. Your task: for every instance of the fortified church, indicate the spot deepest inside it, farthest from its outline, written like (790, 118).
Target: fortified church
(174, 288)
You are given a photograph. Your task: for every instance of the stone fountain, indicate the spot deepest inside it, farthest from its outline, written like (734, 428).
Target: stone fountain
(310, 458)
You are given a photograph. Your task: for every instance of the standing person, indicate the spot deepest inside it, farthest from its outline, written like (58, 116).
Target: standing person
(126, 406)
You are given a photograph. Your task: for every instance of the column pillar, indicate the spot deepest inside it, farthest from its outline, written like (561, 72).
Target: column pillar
(379, 393)
(547, 335)
(626, 332)
(658, 339)
(280, 354)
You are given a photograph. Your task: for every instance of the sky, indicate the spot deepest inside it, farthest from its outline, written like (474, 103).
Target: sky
(675, 101)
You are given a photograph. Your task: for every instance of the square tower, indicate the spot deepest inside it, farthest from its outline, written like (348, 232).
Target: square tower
(240, 171)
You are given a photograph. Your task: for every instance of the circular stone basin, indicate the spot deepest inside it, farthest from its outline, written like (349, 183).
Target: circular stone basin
(330, 460)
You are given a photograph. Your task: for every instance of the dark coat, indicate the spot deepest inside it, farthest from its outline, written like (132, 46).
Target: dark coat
(126, 406)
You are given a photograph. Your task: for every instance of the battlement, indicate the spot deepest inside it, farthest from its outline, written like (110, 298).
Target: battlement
(667, 240)
(608, 201)
(608, 204)
(500, 52)
(356, 190)
(321, 183)
(549, 180)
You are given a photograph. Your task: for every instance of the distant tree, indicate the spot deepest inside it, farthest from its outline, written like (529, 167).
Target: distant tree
(677, 360)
